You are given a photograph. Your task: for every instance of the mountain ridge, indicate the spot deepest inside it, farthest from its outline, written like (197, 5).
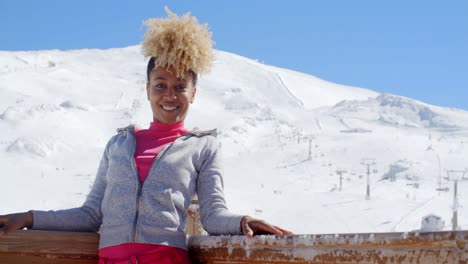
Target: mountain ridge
(284, 136)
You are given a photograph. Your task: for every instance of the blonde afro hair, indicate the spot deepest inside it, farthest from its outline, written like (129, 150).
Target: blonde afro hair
(180, 42)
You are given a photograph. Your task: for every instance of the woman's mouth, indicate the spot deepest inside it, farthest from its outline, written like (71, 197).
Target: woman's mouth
(169, 108)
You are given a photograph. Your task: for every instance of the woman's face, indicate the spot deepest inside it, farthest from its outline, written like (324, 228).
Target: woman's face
(170, 96)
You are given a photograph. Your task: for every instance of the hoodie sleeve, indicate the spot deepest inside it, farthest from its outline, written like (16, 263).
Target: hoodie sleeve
(214, 215)
(86, 218)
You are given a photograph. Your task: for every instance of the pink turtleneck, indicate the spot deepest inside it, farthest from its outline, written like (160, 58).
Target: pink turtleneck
(151, 141)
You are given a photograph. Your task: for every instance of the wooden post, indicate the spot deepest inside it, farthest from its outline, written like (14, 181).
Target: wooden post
(193, 226)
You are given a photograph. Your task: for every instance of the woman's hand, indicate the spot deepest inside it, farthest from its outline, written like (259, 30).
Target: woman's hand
(252, 226)
(16, 221)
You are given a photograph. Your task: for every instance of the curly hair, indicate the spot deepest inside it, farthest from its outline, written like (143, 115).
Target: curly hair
(150, 67)
(180, 42)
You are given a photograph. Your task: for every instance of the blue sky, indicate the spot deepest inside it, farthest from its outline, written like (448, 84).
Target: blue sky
(413, 48)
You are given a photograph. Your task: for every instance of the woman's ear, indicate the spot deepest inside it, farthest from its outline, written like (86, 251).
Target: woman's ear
(147, 91)
(193, 95)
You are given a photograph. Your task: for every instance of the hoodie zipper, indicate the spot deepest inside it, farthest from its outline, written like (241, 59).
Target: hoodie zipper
(140, 185)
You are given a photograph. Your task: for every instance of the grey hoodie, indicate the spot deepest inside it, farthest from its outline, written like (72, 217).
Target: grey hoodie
(125, 211)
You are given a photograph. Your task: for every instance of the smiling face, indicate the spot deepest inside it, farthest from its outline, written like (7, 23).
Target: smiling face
(170, 96)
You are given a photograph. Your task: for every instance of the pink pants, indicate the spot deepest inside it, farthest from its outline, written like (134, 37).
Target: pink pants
(167, 256)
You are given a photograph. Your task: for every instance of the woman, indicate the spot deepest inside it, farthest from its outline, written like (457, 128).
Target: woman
(147, 178)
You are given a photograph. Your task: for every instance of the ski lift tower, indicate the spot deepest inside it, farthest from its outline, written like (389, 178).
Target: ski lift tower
(368, 163)
(340, 173)
(441, 188)
(311, 137)
(455, 195)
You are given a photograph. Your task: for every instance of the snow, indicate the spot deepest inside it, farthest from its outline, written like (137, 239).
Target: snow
(59, 108)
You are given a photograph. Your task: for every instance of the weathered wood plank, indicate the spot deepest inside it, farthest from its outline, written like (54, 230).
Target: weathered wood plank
(47, 247)
(382, 248)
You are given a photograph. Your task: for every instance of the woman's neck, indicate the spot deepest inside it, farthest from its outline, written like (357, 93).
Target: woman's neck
(158, 126)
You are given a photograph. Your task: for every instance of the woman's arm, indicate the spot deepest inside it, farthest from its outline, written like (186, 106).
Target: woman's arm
(16, 221)
(215, 217)
(253, 226)
(88, 217)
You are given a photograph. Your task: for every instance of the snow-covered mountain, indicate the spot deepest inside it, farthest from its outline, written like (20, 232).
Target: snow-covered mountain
(285, 135)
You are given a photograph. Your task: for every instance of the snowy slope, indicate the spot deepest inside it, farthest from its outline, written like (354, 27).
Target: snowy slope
(284, 135)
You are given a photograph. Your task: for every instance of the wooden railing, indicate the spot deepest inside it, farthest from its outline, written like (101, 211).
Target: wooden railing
(46, 247)
(43, 247)
(425, 248)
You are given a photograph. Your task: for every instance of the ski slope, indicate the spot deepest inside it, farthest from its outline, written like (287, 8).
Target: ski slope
(284, 136)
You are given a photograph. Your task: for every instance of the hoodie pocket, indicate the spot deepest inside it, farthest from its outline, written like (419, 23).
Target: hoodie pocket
(116, 207)
(158, 209)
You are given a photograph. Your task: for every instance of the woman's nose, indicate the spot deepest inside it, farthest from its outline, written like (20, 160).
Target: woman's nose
(170, 94)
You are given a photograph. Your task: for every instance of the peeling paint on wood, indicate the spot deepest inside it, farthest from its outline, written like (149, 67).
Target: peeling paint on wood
(381, 248)
(47, 247)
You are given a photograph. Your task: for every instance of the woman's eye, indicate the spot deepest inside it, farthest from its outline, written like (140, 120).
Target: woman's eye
(159, 86)
(180, 87)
